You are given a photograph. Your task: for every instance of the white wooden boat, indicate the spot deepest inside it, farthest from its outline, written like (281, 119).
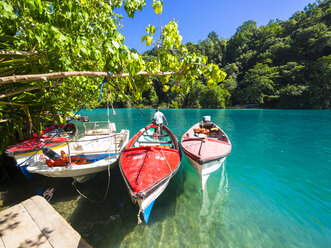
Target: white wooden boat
(100, 146)
(29, 150)
(206, 147)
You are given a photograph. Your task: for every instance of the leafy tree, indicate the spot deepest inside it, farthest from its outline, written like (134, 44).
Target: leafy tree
(320, 88)
(82, 38)
(213, 48)
(259, 84)
(241, 42)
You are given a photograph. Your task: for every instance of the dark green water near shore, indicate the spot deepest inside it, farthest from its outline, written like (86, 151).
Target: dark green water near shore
(273, 190)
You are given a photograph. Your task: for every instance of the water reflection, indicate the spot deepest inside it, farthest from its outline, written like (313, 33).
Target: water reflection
(210, 216)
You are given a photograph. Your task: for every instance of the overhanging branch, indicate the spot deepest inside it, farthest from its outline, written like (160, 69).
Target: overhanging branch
(25, 90)
(54, 75)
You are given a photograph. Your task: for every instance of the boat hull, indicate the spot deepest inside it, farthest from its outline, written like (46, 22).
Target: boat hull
(147, 166)
(74, 170)
(29, 151)
(205, 149)
(101, 151)
(206, 169)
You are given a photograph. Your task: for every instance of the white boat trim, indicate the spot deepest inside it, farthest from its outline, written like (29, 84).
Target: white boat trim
(95, 145)
(206, 169)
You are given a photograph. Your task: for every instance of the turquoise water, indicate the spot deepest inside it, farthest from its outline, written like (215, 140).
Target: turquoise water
(274, 189)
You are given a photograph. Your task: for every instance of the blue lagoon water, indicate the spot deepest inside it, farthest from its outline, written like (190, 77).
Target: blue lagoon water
(274, 189)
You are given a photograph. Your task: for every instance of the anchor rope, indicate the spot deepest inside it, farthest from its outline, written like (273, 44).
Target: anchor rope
(115, 86)
(92, 200)
(166, 160)
(59, 130)
(109, 174)
(135, 105)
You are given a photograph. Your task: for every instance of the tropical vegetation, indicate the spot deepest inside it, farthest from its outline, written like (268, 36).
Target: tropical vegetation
(42, 42)
(285, 64)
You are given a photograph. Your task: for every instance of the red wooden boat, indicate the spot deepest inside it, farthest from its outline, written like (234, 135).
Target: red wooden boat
(24, 149)
(147, 164)
(31, 145)
(206, 146)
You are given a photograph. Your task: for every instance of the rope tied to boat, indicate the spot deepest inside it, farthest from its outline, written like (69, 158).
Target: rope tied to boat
(138, 215)
(68, 122)
(166, 160)
(92, 200)
(116, 87)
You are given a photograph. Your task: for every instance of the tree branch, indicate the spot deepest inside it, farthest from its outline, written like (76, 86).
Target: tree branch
(16, 53)
(46, 76)
(25, 90)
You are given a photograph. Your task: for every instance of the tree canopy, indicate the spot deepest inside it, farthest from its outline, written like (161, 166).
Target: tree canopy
(285, 64)
(42, 37)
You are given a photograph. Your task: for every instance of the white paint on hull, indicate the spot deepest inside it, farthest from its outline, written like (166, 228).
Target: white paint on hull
(143, 204)
(206, 169)
(86, 145)
(42, 168)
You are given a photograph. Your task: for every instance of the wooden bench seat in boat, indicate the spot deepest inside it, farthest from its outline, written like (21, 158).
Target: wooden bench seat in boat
(98, 131)
(156, 142)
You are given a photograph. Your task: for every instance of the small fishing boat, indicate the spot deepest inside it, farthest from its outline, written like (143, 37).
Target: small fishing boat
(206, 147)
(98, 149)
(147, 164)
(29, 150)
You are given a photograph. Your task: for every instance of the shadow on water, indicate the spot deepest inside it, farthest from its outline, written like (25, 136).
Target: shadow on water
(100, 224)
(18, 189)
(110, 222)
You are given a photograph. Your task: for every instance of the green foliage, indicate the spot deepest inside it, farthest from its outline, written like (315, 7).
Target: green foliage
(284, 64)
(259, 83)
(201, 96)
(80, 35)
(157, 6)
(320, 88)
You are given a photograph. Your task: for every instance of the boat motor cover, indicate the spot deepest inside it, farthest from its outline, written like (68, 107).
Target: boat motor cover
(207, 125)
(51, 154)
(206, 118)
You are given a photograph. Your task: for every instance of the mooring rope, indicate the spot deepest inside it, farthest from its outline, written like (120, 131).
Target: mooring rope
(135, 105)
(115, 86)
(92, 200)
(59, 130)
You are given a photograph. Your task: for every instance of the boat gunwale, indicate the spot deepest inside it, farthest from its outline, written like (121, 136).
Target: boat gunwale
(148, 191)
(197, 158)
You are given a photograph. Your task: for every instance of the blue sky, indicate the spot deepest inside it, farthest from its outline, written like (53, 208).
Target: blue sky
(197, 18)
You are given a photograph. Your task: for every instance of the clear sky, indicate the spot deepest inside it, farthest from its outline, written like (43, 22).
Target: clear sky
(197, 18)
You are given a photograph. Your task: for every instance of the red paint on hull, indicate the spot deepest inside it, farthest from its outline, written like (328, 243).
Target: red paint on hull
(145, 166)
(35, 143)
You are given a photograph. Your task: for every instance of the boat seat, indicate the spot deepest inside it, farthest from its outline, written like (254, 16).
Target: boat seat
(98, 131)
(207, 125)
(156, 142)
(160, 135)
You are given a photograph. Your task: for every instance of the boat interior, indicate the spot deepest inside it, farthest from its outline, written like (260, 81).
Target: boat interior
(210, 130)
(104, 141)
(99, 128)
(151, 138)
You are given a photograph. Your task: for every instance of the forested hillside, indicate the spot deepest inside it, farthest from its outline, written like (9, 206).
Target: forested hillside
(286, 64)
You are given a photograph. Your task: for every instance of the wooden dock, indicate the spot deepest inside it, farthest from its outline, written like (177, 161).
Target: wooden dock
(35, 223)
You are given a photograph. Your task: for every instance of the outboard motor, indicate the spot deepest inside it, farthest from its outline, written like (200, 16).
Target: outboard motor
(206, 118)
(206, 123)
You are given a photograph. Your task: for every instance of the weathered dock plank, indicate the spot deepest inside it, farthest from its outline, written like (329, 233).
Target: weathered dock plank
(35, 223)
